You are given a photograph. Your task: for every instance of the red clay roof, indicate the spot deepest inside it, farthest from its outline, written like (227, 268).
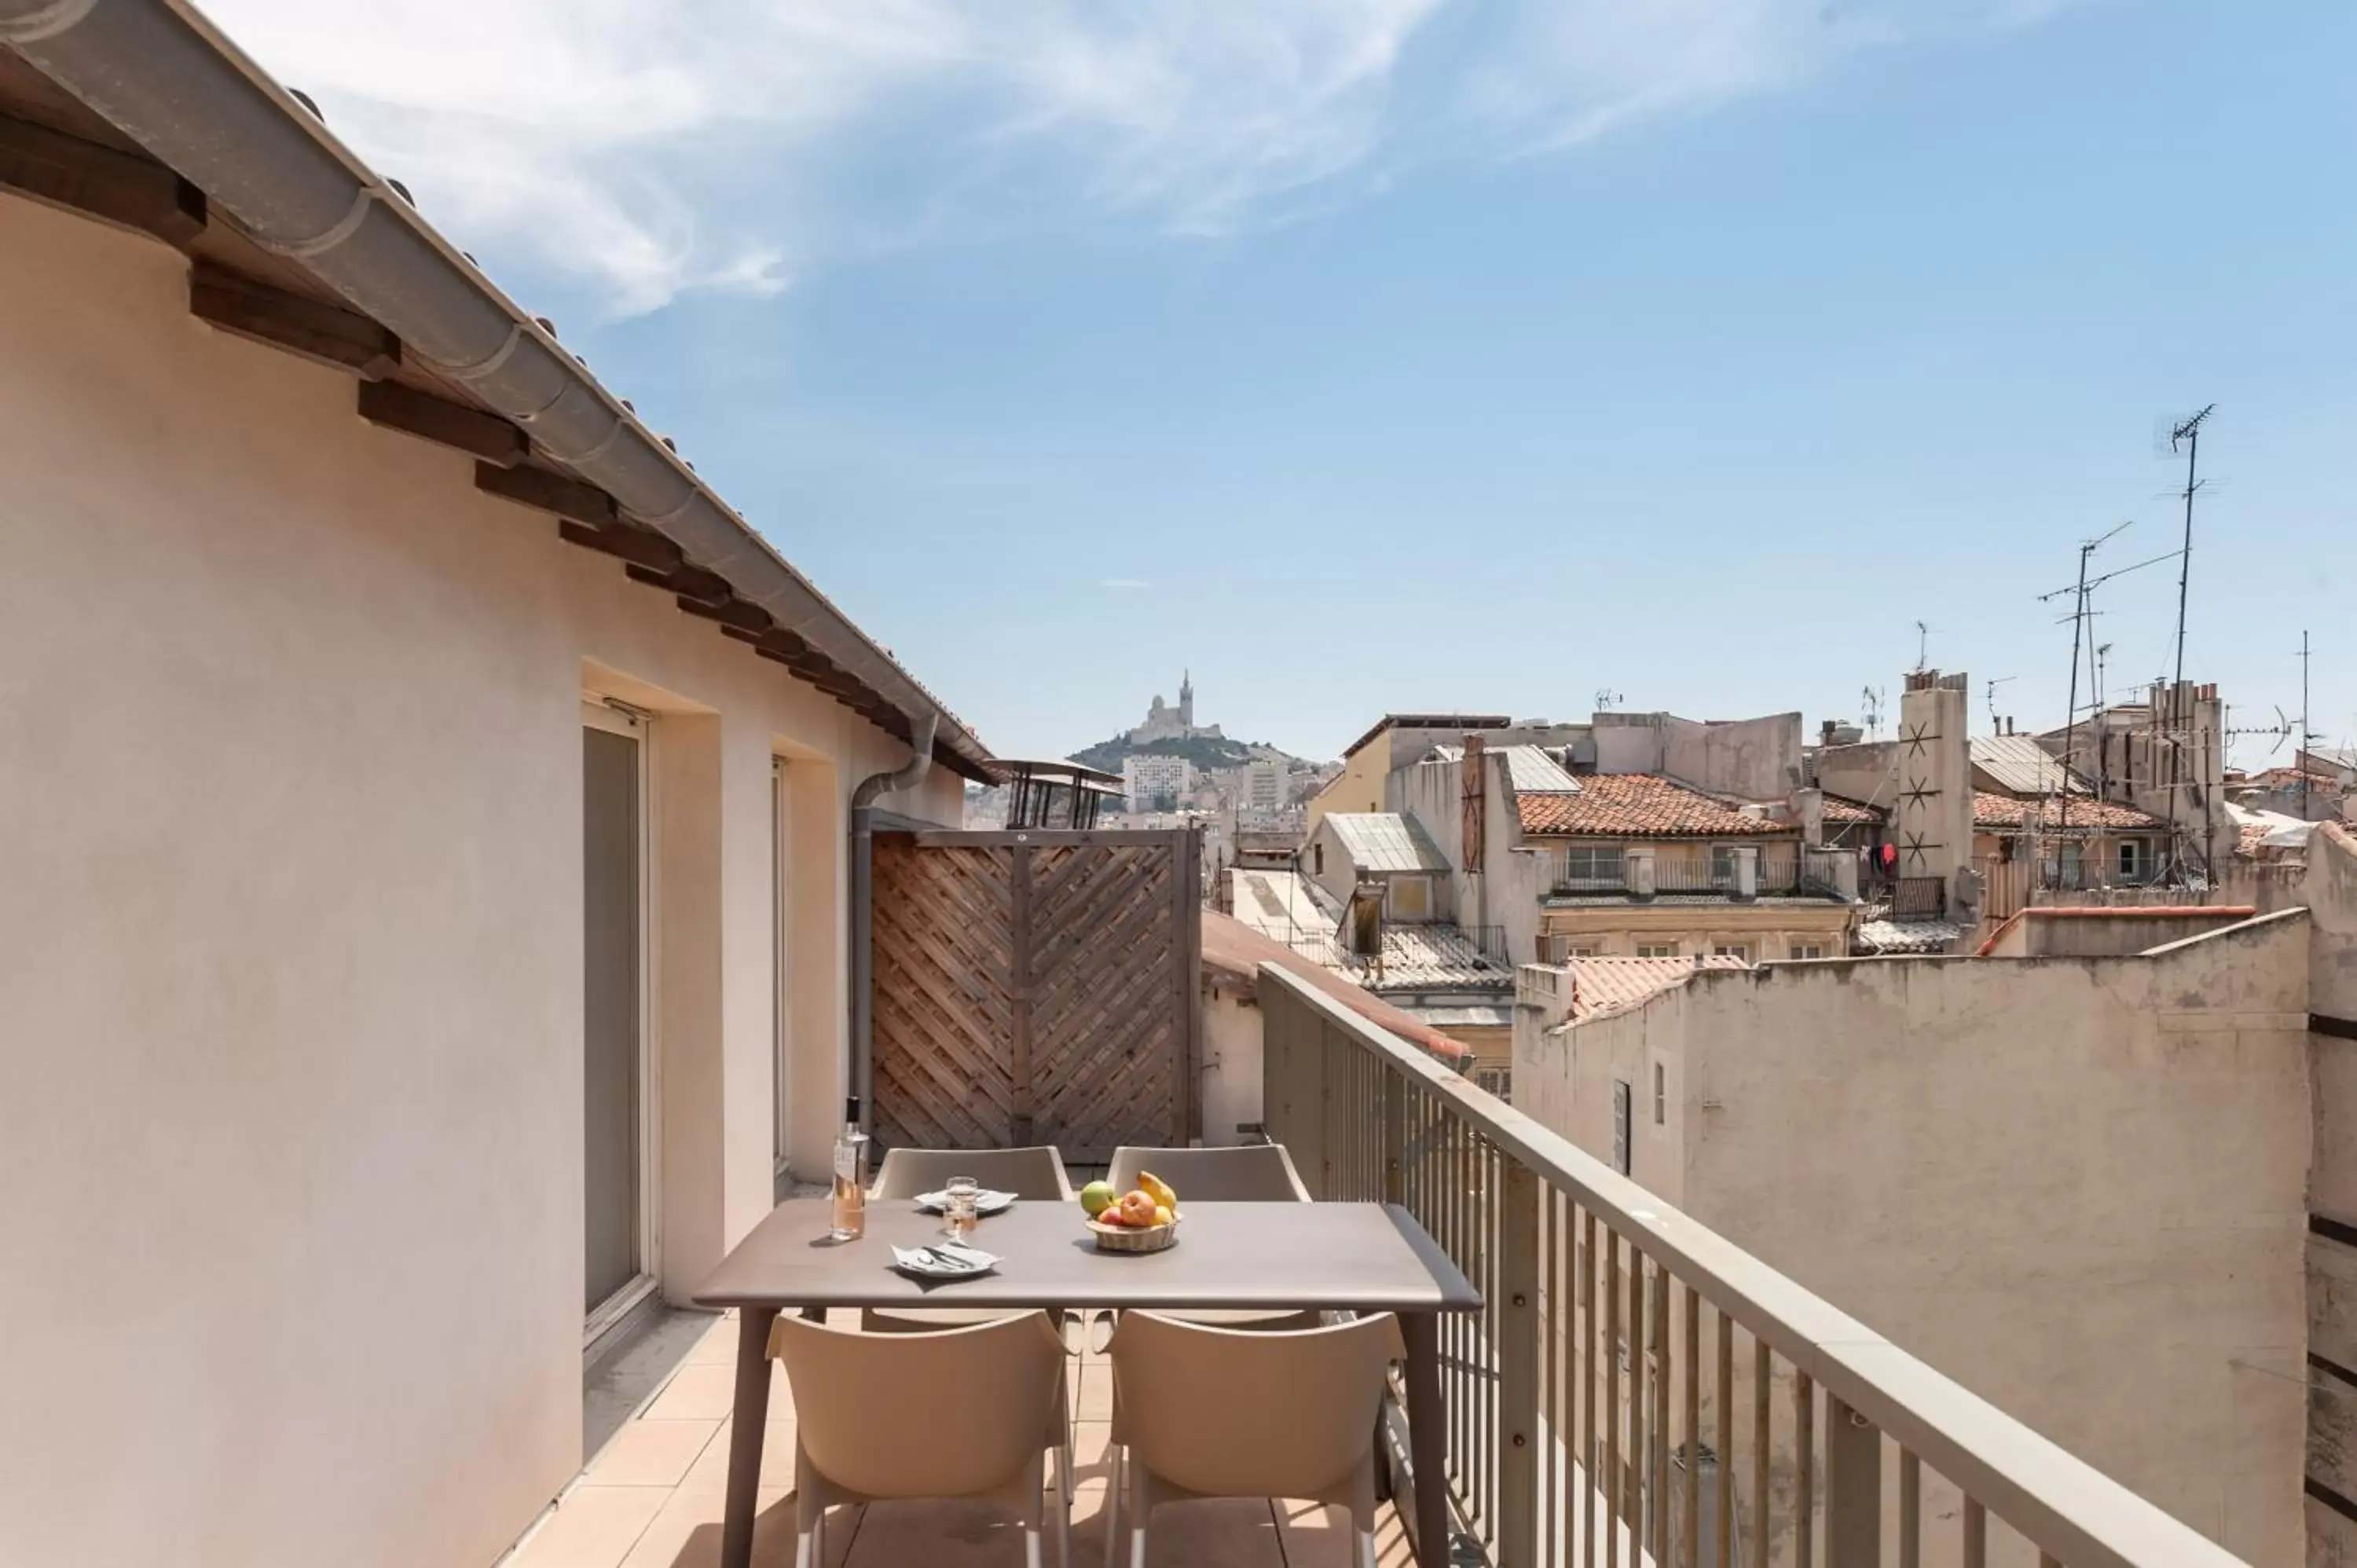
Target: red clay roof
(1841, 809)
(1640, 805)
(1612, 985)
(1231, 946)
(1994, 811)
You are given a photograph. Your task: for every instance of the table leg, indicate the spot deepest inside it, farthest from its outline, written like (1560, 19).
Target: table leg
(746, 1424)
(1427, 1437)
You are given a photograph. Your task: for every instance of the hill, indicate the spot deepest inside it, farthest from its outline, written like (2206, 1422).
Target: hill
(1207, 754)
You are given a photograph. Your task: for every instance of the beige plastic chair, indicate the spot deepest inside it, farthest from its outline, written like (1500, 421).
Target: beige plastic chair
(1034, 1174)
(963, 1413)
(1204, 1411)
(1252, 1173)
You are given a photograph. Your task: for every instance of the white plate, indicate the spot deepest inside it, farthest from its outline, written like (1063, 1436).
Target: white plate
(985, 1202)
(925, 1263)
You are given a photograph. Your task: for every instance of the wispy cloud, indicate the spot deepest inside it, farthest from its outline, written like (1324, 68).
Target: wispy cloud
(1123, 584)
(723, 144)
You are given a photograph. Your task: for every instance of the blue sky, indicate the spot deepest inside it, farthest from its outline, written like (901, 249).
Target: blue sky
(1388, 354)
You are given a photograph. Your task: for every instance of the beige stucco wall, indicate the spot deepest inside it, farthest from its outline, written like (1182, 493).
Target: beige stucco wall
(1759, 759)
(1357, 788)
(1773, 932)
(290, 1157)
(2076, 1186)
(2101, 936)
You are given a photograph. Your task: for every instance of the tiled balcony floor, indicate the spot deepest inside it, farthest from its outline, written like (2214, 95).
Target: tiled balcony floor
(651, 1499)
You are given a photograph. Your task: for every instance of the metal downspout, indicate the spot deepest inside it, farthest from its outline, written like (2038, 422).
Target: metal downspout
(862, 1074)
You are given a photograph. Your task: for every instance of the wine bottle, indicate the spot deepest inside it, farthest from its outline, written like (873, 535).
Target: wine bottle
(850, 1177)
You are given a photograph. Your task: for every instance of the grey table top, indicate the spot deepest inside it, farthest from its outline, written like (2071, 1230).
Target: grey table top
(1364, 1256)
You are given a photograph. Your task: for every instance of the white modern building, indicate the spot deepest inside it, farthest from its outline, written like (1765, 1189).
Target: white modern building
(1148, 780)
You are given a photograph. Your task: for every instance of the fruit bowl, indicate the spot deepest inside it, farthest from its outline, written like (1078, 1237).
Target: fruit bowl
(1134, 1237)
(1128, 1223)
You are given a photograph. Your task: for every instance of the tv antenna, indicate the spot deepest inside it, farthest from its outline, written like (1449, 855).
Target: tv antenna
(1922, 647)
(1871, 702)
(1993, 683)
(2079, 614)
(2187, 434)
(2307, 738)
(1605, 698)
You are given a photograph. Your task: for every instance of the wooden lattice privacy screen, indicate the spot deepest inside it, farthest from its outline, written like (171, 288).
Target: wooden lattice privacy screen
(1036, 987)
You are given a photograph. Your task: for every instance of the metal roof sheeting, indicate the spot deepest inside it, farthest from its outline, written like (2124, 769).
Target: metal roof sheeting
(1531, 771)
(1385, 841)
(2019, 765)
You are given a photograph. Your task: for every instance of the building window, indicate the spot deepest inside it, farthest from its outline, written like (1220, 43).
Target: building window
(1583, 952)
(1657, 950)
(1661, 1096)
(1722, 866)
(1587, 863)
(1808, 949)
(1411, 898)
(1318, 860)
(2131, 859)
(1733, 950)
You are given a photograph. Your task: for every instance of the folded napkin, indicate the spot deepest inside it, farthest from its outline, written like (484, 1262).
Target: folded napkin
(943, 1261)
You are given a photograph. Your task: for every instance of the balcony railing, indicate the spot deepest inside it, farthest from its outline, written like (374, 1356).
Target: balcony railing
(1637, 1385)
(1784, 867)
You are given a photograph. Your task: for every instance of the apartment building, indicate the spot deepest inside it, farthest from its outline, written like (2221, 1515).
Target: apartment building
(1648, 835)
(2083, 1168)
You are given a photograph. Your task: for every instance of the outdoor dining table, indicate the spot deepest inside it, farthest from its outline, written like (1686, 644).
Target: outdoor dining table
(1356, 1257)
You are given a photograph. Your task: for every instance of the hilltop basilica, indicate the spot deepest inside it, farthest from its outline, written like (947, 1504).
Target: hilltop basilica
(1163, 723)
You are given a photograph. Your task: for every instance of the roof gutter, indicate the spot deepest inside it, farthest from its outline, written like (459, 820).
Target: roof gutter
(165, 76)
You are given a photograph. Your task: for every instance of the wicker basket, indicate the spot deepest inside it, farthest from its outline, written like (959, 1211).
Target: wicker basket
(1129, 1238)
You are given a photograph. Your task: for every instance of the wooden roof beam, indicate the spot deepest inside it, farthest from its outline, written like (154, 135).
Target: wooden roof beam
(554, 493)
(325, 334)
(112, 186)
(470, 430)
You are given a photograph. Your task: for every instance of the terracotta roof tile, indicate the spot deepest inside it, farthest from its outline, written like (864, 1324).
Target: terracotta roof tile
(1640, 805)
(1235, 948)
(1841, 809)
(1994, 810)
(1612, 985)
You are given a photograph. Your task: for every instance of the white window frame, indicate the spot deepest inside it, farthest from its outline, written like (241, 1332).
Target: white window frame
(616, 718)
(1660, 1095)
(1732, 950)
(1588, 855)
(2128, 858)
(1808, 949)
(1657, 950)
(1397, 907)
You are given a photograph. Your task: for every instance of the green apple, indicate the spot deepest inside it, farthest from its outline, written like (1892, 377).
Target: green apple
(1096, 1197)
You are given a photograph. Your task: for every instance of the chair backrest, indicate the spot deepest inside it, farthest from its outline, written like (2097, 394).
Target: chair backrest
(1252, 1173)
(1036, 1174)
(1235, 1412)
(948, 1414)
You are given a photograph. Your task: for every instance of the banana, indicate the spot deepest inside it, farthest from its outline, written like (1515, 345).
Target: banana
(1154, 1188)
